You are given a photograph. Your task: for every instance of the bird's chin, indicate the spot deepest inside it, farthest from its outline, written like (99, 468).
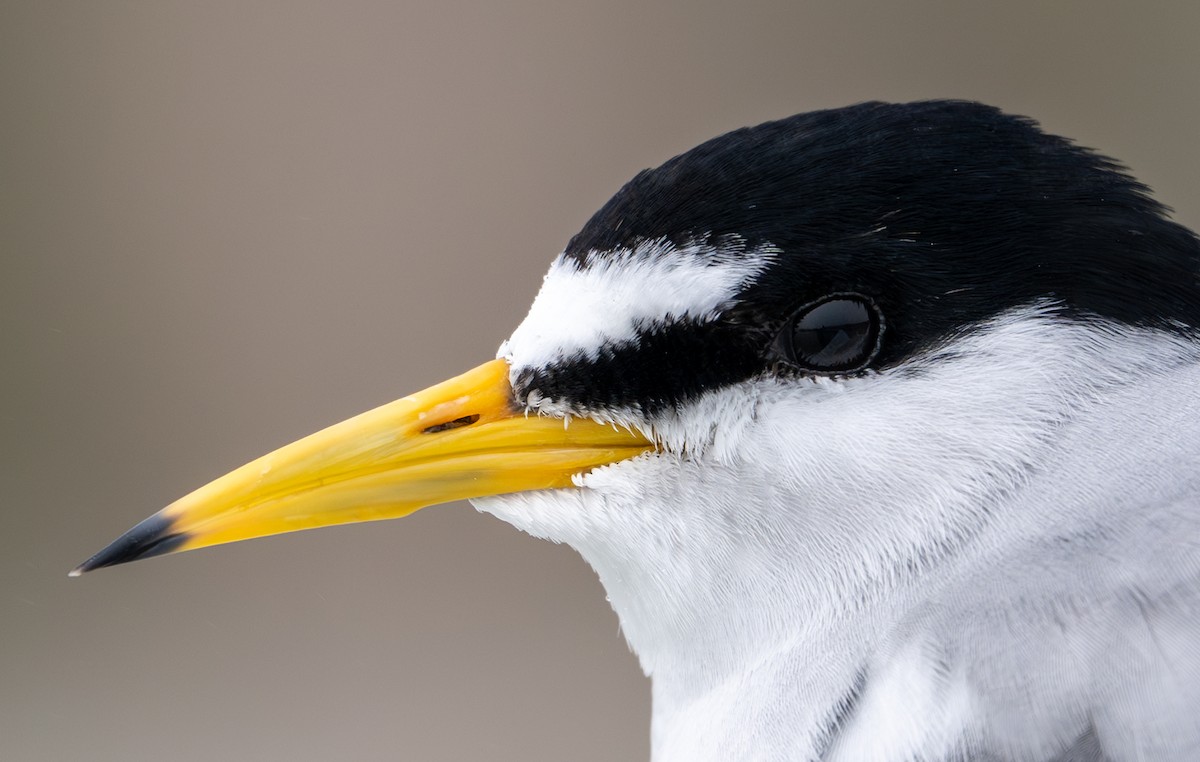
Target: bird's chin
(555, 515)
(579, 515)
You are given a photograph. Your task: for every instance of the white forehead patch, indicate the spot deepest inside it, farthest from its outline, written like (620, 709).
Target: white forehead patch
(581, 308)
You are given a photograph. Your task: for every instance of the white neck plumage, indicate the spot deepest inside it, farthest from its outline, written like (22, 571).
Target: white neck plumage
(797, 568)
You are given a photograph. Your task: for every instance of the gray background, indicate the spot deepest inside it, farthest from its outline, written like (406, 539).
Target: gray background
(224, 225)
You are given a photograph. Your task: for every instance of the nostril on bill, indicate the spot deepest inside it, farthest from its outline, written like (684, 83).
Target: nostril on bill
(457, 423)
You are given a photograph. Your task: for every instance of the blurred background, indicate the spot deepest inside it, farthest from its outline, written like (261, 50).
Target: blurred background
(224, 225)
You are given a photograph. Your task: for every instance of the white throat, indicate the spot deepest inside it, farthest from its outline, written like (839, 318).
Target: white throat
(790, 554)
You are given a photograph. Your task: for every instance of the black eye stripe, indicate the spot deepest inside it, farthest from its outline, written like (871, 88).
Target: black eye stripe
(667, 365)
(671, 364)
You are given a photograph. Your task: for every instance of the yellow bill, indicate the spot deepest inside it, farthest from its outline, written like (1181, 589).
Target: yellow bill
(459, 439)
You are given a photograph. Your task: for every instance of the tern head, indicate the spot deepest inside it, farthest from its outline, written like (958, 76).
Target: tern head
(804, 360)
(854, 337)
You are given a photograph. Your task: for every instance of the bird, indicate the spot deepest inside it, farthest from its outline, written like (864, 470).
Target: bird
(879, 424)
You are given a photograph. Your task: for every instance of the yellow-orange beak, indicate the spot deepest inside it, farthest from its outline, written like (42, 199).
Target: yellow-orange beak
(459, 439)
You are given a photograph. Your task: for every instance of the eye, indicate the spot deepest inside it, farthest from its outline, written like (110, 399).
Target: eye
(837, 334)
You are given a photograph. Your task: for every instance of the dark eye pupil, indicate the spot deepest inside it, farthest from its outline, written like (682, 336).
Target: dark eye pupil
(839, 334)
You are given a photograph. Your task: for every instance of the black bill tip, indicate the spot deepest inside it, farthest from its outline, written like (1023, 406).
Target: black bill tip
(152, 537)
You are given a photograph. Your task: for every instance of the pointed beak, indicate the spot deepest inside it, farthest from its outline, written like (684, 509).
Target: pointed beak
(462, 438)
